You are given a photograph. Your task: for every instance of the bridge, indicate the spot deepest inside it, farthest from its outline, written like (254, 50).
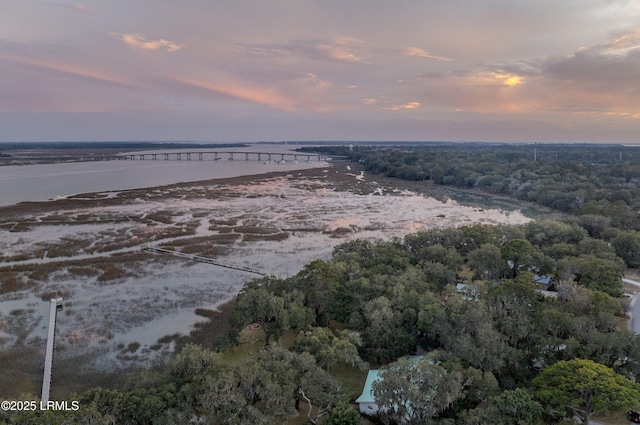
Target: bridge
(203, 260)
(170, 156)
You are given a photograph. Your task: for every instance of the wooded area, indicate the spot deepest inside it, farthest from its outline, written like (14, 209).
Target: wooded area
(497, 349)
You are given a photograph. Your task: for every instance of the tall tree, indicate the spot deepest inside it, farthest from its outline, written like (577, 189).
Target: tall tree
(595, 273)
(517, 252)
(487, 262)
(268, 387)
(515, 407)
(256, 303)
(329, 348)
(343, 414)
(584, 387)
(384, 335)
(412, 392)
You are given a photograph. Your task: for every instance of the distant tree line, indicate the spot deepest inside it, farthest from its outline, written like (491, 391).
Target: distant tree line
(599, 185)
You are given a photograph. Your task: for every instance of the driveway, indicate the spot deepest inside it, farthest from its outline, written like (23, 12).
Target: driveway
(634, 308)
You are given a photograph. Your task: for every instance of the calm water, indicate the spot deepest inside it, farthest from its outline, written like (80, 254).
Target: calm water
(41, 182)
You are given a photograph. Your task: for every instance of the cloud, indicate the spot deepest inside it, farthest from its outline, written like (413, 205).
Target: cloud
(307, 92)
(600, 79)
(340, 49)
(337, 53)
(623, 43)
(73, 70)
(67, 87)
(79, 8)
(507, 79)
(418, 52)
(138, 41)
(410, 105)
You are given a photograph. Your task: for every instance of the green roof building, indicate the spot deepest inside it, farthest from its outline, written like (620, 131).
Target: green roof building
(366, 402)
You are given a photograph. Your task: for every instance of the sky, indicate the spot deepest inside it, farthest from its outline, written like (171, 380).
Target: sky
(336, 70)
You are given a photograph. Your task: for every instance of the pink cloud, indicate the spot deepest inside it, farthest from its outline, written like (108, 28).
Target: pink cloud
(418, 52)
(410, 105)
(138, 41)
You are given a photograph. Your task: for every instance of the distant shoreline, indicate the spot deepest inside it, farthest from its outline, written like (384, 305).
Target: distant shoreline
(44, 180)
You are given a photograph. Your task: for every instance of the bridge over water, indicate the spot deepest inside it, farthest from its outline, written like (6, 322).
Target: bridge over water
(171, 156)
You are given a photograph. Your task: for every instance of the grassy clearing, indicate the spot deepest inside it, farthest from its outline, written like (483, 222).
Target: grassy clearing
(351, 379)
(251, 341)
(618, 418)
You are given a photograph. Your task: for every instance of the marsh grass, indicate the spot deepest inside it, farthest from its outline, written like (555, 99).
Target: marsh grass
(225, 238)
(223, 222)
(262, 237)
(48, 295)
(257, 230)
(21, 372)
(68, 378)
(164, 217)
(167, 339)
(14, 282)
(205, 312)
(303, 229)
(133, 347)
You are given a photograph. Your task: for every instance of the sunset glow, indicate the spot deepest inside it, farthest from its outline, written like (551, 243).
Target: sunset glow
(317, 70)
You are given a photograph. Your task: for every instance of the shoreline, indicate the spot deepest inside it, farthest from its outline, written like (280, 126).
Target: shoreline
(65, 202)
(123, 306)
(58, 180)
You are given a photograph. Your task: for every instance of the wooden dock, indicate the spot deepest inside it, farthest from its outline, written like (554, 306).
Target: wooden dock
(203, 260)
(56, 304)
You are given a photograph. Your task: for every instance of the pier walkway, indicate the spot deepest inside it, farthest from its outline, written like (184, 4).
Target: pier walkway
(56, 304)
(203, 260)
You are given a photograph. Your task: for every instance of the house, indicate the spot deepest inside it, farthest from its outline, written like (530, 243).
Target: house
(468, 292)
(366, 402)
(541, 280)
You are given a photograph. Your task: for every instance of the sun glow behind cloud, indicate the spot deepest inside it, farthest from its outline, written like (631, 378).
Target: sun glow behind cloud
(508, 80)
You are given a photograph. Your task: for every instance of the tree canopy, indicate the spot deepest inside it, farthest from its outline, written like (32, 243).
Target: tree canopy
(414, 391)
(583, 387)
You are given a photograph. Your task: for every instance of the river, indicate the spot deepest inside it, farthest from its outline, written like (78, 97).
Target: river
(41, 182)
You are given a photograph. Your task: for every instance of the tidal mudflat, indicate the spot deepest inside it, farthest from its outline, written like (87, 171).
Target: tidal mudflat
(124, 307)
